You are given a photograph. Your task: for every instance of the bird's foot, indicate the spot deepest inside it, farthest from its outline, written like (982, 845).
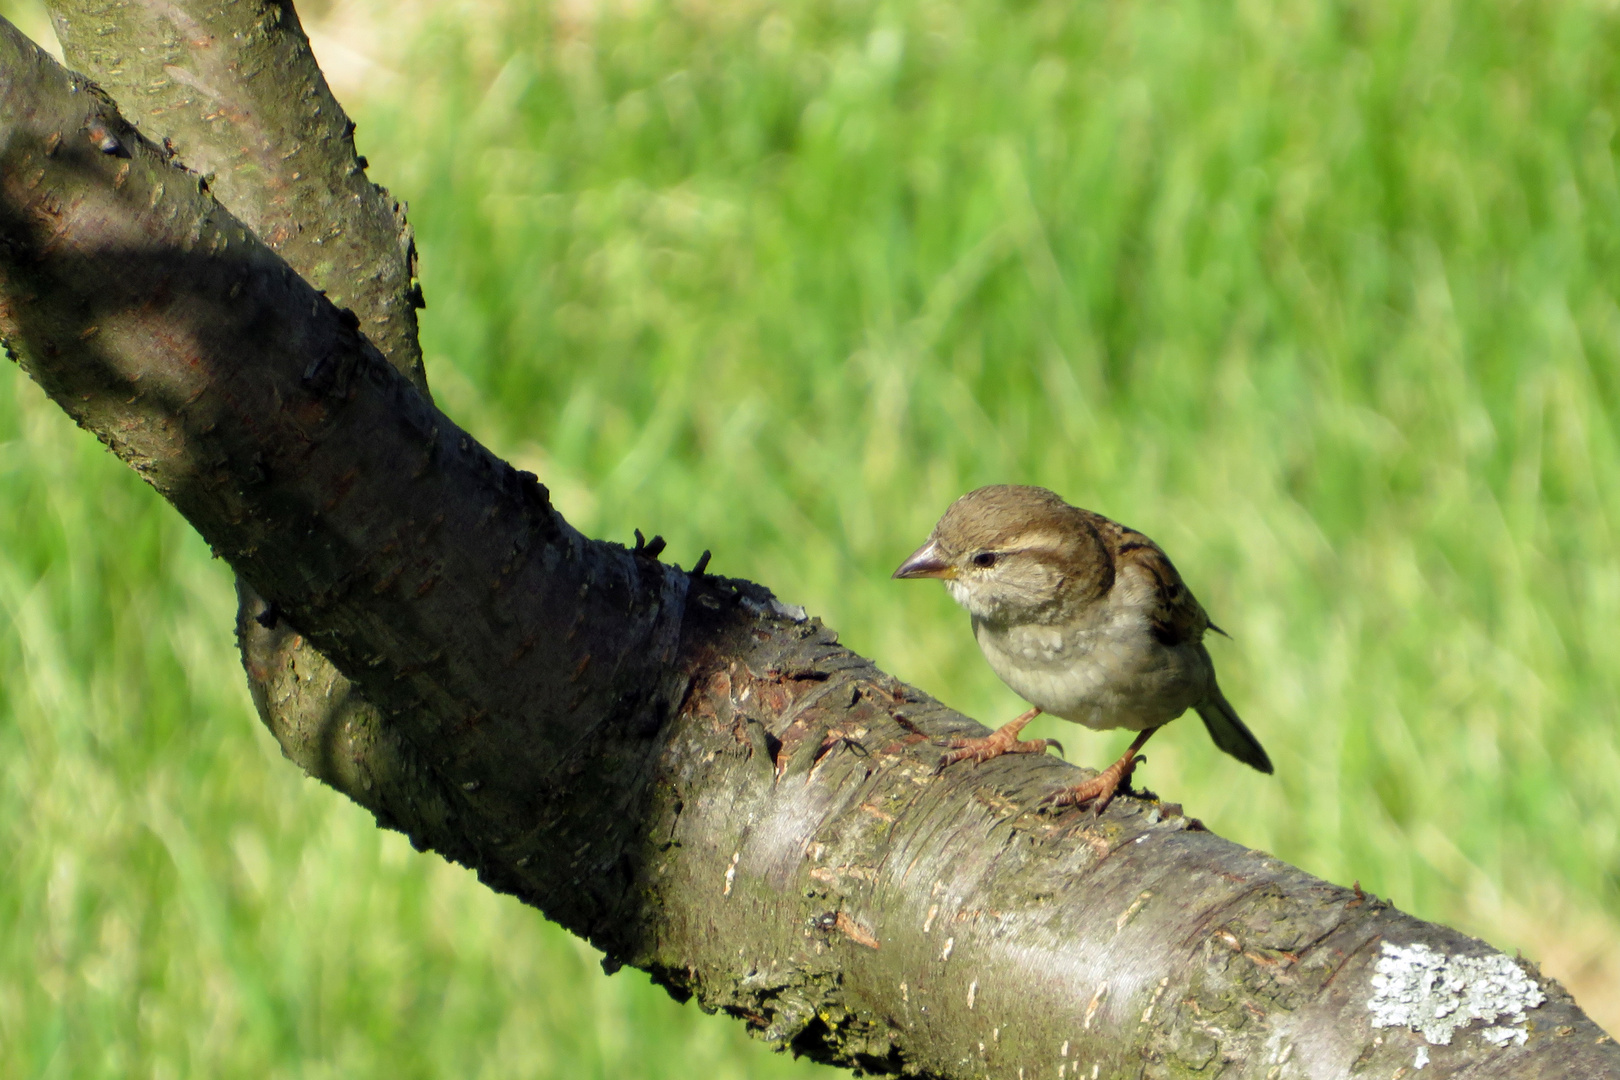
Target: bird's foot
(1100, 790)
(1004, 740)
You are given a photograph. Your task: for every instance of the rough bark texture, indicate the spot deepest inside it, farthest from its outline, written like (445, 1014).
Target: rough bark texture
(233, 90)
(697, 779)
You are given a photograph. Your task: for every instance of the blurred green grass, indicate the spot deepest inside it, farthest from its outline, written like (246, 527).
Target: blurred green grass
(1321, 296)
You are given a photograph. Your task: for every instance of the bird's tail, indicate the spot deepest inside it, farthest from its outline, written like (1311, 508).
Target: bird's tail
(1230, 733)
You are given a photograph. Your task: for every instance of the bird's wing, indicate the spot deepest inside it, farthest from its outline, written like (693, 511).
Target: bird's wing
(1175, 614)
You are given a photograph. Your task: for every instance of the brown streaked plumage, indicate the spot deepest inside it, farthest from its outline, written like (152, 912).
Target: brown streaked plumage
(1085, 618)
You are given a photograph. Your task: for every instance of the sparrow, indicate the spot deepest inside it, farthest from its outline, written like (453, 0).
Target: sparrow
(1085, 619)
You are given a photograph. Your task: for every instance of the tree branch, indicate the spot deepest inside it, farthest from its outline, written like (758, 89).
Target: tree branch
(696, 778)
(234, 91)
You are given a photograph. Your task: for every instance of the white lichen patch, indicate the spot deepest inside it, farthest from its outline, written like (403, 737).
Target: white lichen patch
(794, 612)
(1429, 992)
(1501, 1036)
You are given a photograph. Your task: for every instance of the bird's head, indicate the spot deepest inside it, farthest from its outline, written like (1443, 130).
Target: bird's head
(1014, 554)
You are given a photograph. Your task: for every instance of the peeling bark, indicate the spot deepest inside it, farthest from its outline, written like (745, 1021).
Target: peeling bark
(696, 778)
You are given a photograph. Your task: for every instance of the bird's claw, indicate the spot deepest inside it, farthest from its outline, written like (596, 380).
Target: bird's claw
(1073, 796)
(1100, 790)
(979, 751)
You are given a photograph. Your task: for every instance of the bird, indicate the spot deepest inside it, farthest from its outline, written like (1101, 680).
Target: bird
(1084, 618)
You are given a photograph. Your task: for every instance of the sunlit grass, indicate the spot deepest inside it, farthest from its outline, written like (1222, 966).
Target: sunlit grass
(1322, 298)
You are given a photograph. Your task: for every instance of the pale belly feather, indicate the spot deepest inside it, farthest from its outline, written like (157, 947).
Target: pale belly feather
(1113, 675)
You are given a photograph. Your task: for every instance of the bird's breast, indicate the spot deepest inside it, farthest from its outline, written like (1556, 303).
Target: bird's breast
(1108, 674)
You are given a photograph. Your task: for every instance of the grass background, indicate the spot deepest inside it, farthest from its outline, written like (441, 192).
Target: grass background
(1322, 296)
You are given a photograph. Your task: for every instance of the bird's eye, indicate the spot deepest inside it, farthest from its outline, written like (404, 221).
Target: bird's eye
(985, 559)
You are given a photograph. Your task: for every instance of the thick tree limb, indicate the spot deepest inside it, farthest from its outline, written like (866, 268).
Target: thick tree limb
(234, 90)
(696, 778)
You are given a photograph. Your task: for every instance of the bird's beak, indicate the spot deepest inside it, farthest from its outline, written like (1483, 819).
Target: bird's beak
(926, 561)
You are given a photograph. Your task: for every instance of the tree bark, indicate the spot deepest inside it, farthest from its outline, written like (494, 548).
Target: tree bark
(234, 91)
(676, 766)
